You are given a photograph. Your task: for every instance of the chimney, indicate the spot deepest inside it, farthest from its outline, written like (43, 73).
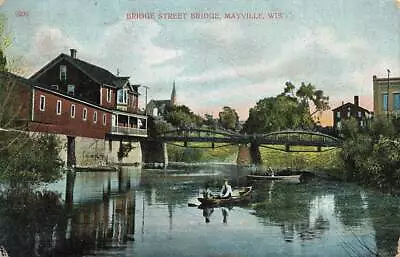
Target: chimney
(356, 100)
(73, 52)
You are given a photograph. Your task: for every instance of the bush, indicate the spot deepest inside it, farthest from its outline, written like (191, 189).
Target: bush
(29, 159)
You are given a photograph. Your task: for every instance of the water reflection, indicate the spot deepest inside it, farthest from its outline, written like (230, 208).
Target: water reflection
(291, 207)
(127, 213)
(28, 222)
(207, 213)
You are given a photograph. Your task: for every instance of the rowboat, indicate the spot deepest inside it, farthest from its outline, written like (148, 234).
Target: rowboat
(239, 197)
(269, 177)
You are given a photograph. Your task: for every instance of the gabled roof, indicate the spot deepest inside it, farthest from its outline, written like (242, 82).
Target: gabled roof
(159, 103)
(31, 84)
(350, 104)
(98, 74)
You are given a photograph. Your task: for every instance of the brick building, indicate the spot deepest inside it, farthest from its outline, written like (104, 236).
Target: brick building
(381, 87)
(76, 79)
(348, 110)
(40, 108)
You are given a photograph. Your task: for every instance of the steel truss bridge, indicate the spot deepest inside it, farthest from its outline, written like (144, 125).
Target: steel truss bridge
(311, 140)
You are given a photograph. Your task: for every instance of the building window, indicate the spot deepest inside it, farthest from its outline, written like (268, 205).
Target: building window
(72, 110)
(359, 114)
(337, 113)
(122, 97)
(71, 89)
(104, 119)
(94, 117)
(348, 113)
(109, 95)
(58, 107)
(396, 102)
(42, 103)
(54, 87)
(63, 72)
(84, 114)
(385, 102)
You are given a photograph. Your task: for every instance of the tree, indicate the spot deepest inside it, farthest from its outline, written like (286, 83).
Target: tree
(210, 121)
(308, 93)
(181, 116)
(372, 157)
(288, 110)
(25, 159)
(228, 118)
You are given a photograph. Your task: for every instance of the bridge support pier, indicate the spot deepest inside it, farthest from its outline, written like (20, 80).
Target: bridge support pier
(71, 158)
(243, 157)
(255, 154)
(154, 154)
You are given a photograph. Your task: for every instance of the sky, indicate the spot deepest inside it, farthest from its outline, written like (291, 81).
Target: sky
(233, 54)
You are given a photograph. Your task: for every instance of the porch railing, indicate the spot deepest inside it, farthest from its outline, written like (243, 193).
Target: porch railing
(129, 131)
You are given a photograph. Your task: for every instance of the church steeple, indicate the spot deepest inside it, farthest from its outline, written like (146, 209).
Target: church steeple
(173, 94)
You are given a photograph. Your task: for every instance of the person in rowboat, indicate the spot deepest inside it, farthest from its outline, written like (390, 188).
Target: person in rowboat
(226, 191)
(207, 192)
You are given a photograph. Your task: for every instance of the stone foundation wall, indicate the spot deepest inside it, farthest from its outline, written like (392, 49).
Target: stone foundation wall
(131, 155)
(91, 152)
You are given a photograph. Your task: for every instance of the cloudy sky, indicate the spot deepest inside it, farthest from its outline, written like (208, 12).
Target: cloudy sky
(336, 45)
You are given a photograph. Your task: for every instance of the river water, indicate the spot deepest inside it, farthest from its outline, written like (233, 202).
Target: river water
(137, 212)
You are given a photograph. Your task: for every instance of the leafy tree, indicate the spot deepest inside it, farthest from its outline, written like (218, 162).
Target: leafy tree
(25, 159)
(308, 93)
(372, 157)
(228, 118)
(210, 121)
(181, 116)
(3, 62)
(288, 110)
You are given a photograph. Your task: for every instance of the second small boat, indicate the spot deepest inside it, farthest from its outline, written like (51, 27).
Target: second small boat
(269, 177)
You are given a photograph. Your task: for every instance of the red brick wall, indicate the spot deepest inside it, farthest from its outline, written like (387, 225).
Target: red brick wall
(132, 103)
(104, 102)
(21, 102)
(49, 121)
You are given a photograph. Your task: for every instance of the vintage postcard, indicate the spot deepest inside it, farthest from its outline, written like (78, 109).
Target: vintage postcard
(200, 128)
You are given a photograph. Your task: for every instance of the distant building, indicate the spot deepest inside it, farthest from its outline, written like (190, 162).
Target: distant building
(381, 99)
(173, 94)
(158, 107)
(348, 110)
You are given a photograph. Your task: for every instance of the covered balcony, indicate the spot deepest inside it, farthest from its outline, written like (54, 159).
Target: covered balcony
(129, 124)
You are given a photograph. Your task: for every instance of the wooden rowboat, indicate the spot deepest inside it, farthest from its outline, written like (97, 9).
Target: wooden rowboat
(243, 197)
(268, 177)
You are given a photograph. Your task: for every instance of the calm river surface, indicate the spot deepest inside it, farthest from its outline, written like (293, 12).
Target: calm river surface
(137, 212)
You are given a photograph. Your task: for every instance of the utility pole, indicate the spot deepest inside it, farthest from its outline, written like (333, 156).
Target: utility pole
(387, 102)
(145, 107)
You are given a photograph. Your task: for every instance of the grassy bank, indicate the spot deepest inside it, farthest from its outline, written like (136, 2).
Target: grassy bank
(327, 158)
(327, 161)
(219, 153)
